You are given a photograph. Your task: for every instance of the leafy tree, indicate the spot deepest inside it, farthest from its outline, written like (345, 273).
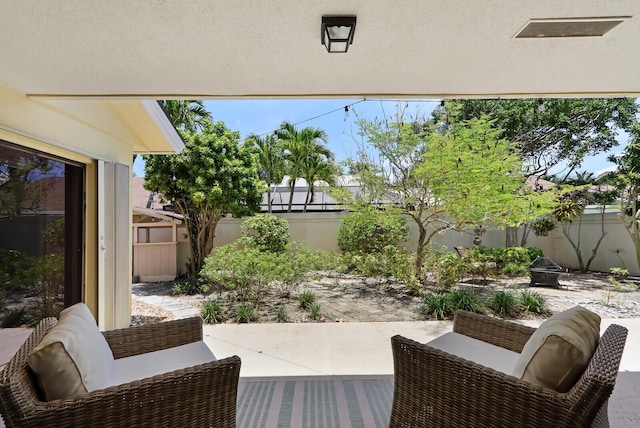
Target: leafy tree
(270, 161)
(553, 131)
(22, 181)
(212, 176)
(300, 146)
(570, 209)
(627, 181)
(187, 115)
(447, 176)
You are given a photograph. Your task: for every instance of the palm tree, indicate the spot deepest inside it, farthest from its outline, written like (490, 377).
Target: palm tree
(317, 168)
(300, 145)
(188, 115)
(270, 159)
(582, 178)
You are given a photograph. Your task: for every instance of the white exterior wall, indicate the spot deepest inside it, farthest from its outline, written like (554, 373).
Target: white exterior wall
(89, 132)
(319, 230)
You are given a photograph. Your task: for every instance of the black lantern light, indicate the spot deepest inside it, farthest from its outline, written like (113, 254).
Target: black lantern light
(337, 32)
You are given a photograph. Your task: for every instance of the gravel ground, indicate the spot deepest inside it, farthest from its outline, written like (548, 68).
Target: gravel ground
(144, 313)
(593, 291)
(346, 298)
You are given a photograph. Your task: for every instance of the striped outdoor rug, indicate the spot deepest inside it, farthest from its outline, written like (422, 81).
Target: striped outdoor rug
(317, 403)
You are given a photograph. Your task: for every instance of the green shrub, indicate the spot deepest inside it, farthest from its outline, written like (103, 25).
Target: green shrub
(619, 272)
(16, 271)
(502, 303)
(479, 263)
(48, 285)
(14, 318)
(212, 312)
(245, 312)
(189, 287)
(247, 270)
(250, 272)
(266, 232)
(281, 314)
(530, 301)
(306, 259)
(391, 262)
(306, 299)
(515, 269)
(515, 255)
(511, 261)
(436, 306)
(447, 267)
(314, 311)
(463, 299)
(370, 231)
(534, 253)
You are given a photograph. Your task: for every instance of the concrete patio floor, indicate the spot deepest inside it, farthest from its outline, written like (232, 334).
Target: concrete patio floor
(359, 349)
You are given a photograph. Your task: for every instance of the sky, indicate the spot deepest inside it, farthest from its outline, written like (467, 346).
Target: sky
(265, 116)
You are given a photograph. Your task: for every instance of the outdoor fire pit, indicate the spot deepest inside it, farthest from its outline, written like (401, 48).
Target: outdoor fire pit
(545, 271)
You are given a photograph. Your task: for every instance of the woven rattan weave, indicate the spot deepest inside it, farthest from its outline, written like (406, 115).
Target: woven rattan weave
(433, 388)
(199, 396)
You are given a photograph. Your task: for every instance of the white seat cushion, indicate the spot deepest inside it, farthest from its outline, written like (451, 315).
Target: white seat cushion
(486, 354)
(73, 358)
(142, 366)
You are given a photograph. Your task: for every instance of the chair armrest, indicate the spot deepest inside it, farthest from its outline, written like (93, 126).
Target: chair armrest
(495, 331)
(435, 389)
(203, 395)
(127, 342)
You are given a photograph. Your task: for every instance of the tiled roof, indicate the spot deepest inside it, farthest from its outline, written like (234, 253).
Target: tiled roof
(140, 196)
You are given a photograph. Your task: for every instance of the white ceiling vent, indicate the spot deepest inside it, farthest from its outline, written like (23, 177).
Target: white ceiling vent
(569, 27)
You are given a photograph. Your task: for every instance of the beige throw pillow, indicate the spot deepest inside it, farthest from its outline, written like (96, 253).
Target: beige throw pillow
(73, 358)
(560, 349)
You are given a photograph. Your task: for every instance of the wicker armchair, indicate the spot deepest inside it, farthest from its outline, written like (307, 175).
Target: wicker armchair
(436, 389)
(199, 396)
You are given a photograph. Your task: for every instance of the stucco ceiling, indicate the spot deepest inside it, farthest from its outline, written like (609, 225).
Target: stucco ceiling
(249, 48)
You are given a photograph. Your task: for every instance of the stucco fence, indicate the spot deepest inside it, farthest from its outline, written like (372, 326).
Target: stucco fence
(319, 230)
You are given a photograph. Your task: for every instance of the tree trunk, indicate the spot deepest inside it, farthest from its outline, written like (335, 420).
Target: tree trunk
(511, 236)
(269, 199)
(525, 235)
(566, 229)
(200, 232)
(292, 186)
(306, 199)
(209, 233)
(603, 233)
(181, 208)
(422, 237)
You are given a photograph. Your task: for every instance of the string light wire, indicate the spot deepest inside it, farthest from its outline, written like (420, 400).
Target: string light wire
(347, 108)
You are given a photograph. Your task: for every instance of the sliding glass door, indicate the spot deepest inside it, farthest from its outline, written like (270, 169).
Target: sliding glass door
(41, 234)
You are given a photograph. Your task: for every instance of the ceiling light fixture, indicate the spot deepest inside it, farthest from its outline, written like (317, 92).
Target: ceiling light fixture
(337, 32)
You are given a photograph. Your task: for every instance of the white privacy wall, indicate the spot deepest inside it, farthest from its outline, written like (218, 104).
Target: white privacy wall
(319, 230)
